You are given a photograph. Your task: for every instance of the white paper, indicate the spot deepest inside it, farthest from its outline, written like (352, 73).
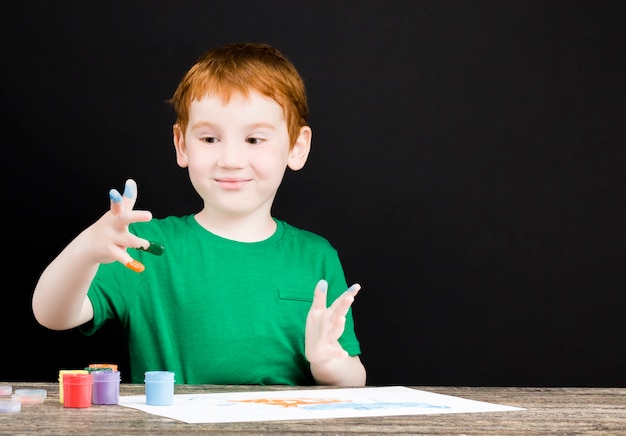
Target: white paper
(309, 404)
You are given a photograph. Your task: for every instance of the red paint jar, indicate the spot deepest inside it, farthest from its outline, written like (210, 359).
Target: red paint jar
(77, 390)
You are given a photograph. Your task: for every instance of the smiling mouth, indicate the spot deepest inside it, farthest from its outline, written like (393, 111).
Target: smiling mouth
(232, 184)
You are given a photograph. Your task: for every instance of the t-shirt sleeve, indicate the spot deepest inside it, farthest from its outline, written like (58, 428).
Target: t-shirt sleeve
(111, 294)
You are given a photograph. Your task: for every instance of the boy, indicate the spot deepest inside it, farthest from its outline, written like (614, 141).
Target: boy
(229, 295)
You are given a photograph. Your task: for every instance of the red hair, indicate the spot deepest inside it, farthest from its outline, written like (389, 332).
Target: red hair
(240, 68)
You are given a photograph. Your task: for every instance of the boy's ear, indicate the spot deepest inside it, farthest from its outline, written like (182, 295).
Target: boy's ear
(300, 150)
(180, 146)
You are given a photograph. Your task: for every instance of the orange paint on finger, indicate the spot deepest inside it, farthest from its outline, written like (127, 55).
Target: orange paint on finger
(135, 266)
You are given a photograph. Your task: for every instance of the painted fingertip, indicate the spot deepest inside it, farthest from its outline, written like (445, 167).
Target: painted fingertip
(135, 266)
(154, 248)
(115, 196)
(322, 285)
(130, 189)
(354, 288)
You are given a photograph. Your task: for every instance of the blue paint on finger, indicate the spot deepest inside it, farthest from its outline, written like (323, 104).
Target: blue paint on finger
(353, 288)
(130, 189)
(115, 196)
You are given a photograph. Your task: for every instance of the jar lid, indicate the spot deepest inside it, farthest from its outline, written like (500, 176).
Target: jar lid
(105, 375)
(90, 369)
(30, 396)
(112, 366)
(62, 372)
(10, 406)
(76, 378)
(159, 376)
(6, 389)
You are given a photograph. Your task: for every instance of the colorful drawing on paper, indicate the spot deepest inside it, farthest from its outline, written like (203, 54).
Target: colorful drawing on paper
(334, 404)
(309, 404)
(289, 402)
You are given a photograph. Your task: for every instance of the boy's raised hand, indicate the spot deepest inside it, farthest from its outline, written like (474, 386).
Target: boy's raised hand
(324, 325)
(110, 237)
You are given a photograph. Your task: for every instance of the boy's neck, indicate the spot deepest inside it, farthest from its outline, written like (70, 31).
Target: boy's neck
(249, 228)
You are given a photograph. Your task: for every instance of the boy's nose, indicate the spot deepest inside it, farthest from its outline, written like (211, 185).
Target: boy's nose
(232, 155)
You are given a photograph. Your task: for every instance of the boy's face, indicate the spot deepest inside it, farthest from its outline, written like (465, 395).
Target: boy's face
(237, 152)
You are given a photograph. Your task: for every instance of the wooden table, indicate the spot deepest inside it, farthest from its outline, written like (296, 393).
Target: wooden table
(548, 411)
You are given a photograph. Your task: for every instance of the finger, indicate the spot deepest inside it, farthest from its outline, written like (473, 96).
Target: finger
(116, 201)
(336, 327)
(130, 193)
(136, 216)
(354, 289)
(152, 247)
(319, 296)
(130, 263)
(342, 304)
(135, 265)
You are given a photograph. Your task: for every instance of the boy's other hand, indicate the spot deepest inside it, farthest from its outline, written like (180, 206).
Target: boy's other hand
(324, 325)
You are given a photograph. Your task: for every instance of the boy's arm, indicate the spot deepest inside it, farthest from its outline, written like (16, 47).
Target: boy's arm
(330, 363)
(60, 297)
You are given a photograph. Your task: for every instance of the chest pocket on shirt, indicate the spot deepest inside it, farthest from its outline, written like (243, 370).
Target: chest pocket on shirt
(296, 294)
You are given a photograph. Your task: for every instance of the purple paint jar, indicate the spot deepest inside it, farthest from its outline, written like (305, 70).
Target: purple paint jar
(106, 387)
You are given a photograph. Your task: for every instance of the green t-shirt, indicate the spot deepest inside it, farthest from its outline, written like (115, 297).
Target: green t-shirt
(217, 311)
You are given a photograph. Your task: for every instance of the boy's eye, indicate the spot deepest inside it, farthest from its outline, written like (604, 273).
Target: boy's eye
(253, 140)
(210, 140)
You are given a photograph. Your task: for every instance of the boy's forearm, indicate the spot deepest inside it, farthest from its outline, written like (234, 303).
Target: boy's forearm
(348, 371)
(60, 293)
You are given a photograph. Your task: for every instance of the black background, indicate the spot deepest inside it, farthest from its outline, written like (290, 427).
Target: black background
(468, 162)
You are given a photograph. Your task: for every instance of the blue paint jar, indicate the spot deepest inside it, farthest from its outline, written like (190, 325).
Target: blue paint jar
(159, 388)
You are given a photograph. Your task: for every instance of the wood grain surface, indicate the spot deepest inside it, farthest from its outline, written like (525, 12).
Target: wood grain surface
(548, 411)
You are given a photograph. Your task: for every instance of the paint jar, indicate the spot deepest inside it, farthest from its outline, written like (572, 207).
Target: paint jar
(159, 388)
(96, 366)
(106, 387)
(62, 372)
(77, 390)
